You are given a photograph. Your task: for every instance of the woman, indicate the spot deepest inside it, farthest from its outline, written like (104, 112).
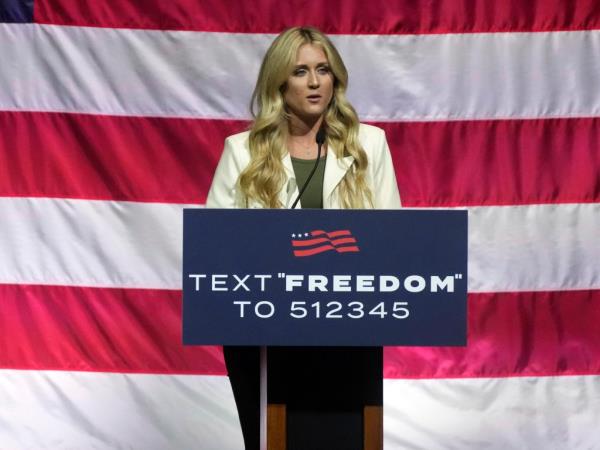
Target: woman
(301, 89)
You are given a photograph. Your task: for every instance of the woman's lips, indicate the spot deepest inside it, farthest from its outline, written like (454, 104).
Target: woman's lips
(314, 98)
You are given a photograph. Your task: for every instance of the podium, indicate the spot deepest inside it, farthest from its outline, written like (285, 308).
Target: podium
(344, 399)
(336, 278)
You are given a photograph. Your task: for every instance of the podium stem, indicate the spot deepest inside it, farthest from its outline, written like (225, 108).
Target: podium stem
(263, 397)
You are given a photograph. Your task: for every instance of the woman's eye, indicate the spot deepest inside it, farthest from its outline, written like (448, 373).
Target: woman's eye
(299, 72)
(323, 70)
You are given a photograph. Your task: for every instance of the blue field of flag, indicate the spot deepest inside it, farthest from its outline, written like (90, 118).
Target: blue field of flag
(16, 11)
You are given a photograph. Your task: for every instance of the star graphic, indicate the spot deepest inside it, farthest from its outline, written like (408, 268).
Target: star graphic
(293, 235)
(306, 234)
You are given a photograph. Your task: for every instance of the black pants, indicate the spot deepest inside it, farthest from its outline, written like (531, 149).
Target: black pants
(324, 388)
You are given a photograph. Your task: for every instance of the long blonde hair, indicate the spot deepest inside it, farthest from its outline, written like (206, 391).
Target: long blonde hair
(264, 176)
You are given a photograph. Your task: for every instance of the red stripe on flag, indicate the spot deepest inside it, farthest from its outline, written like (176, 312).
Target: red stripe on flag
(104, 330)
(332, 16)
(130, 330)
(513, 334)
(110, 158)
(496, 162)
(437, 163)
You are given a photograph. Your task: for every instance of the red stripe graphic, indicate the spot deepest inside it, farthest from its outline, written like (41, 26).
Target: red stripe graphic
(513, 334)
(346, 249)
(341, 241)
(332, 16)
(437, 163)
(104, 330)
(309, 242)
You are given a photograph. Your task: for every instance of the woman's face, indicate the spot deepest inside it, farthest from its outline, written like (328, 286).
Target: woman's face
(310, 86)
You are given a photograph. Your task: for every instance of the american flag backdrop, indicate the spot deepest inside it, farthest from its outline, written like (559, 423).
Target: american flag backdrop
(112, 119)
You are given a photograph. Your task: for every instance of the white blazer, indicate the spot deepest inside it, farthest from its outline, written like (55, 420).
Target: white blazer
(224, 191)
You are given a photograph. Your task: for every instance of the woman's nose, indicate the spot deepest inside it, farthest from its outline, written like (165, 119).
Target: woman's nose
(313, 80)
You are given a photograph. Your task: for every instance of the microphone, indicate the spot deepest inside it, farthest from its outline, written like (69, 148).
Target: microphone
(321, 136)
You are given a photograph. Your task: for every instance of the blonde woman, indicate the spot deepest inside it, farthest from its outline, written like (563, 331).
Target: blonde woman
(301, 89)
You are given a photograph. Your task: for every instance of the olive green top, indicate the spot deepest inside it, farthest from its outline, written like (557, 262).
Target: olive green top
(313, 195)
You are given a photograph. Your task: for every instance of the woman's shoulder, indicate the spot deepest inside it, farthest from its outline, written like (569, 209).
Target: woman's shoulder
(370, 130)
(236, 149)
(372, 138)
(238, 140)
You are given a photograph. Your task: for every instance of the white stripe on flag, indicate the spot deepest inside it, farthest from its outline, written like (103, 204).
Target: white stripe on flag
(211, 75)
(138, 245)
(492, 413)
(68, 410)
(534, 247)
(91, 243)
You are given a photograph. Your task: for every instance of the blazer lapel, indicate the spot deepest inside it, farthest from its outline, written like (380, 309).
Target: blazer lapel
(335, 169)
(290, 190)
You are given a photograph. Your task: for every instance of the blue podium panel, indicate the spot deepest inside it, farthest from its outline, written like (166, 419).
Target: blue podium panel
(324, 277)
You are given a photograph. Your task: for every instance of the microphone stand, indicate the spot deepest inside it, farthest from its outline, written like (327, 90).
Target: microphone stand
(320, 141)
